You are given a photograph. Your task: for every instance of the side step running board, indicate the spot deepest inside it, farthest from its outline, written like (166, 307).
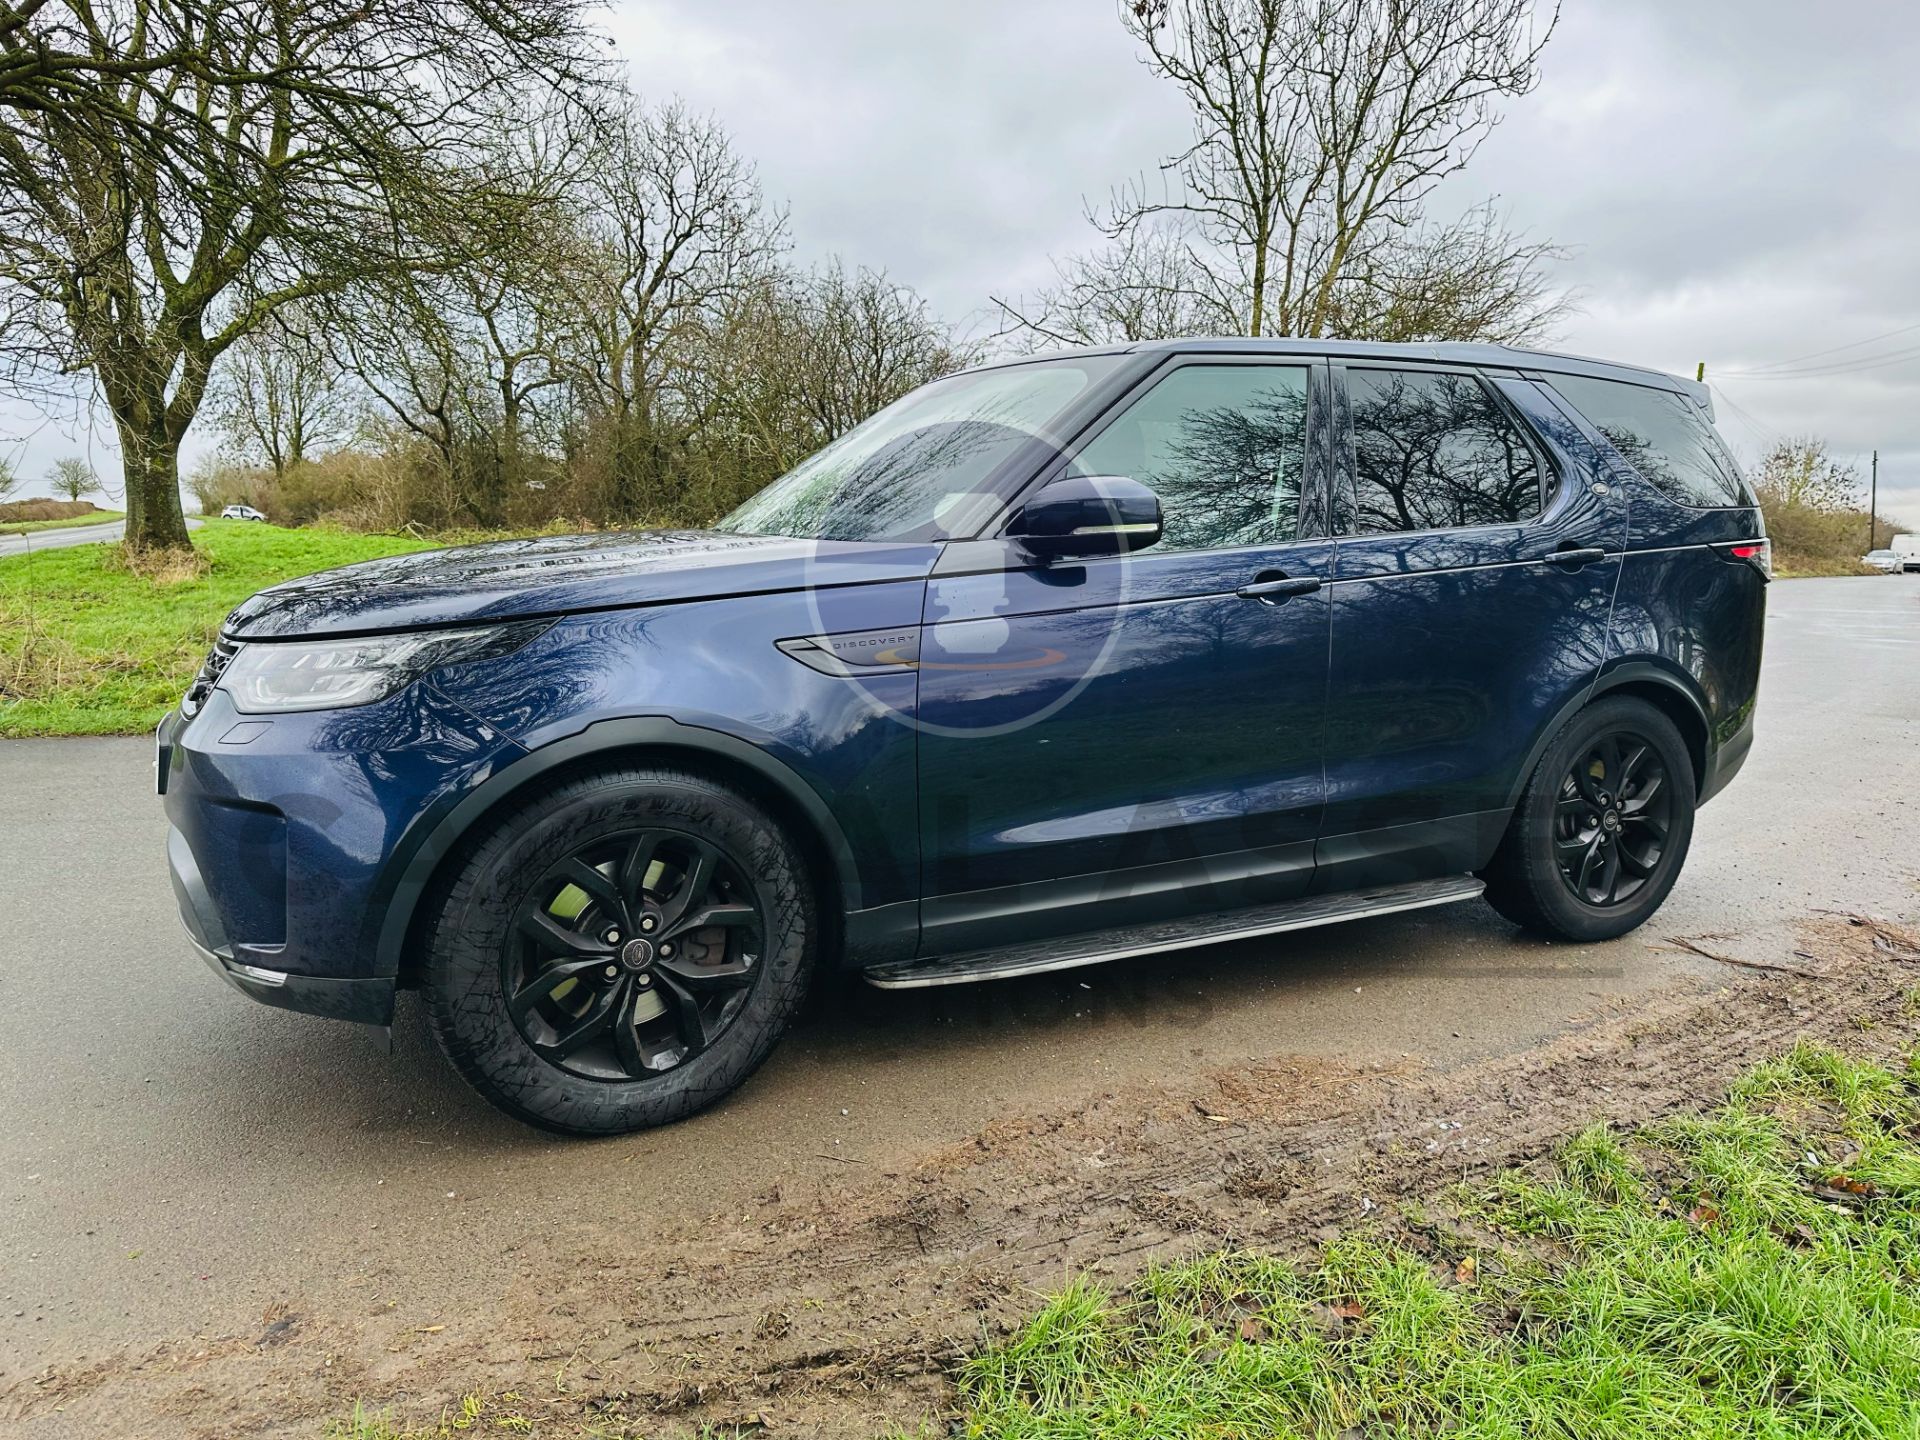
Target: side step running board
(1066, 952)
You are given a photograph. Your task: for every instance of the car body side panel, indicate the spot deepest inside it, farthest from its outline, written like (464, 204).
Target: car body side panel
(1687, 615)
(1700, 618)
(713, 667)
(1094, 730)
(1123, 739)
(1452, 651)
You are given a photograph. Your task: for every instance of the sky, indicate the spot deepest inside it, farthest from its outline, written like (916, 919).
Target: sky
(1738, 181)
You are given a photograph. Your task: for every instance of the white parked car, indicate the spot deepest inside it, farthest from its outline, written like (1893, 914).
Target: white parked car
(1883, 560)
(1907, 547)
(241, 512)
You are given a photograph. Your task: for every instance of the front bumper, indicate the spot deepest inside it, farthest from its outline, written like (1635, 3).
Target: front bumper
(367, 1000)
(283, 837)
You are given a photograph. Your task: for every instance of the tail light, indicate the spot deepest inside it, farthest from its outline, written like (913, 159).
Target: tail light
(1757, 553)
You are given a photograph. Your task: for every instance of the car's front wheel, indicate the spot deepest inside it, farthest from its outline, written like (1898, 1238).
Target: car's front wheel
(621, 951)
(1602, 828)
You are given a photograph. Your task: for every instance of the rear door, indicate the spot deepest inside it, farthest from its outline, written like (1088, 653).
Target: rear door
(1129, 738)
(1476, 562)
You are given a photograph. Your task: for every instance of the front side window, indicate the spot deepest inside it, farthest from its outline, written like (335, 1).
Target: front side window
(929, 466)
(1663, 436)
(1435, 451)
(1223, 446)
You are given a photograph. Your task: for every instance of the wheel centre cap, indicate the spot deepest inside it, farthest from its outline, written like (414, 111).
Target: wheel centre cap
(636, 955)
(1611, 820)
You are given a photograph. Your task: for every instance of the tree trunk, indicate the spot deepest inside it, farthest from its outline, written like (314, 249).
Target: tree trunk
(151, 467)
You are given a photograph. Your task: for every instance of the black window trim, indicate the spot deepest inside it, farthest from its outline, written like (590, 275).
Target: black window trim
(1553, 480)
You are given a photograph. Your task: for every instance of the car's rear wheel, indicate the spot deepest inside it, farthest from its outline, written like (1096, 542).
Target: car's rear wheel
(1601, 831)
(621, 951)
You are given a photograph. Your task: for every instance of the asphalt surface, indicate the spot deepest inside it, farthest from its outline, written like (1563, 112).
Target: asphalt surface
(37, 540)
(175, 1158)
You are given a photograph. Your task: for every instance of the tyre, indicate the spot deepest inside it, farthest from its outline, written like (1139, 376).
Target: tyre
(620, 951)
(1602, 828)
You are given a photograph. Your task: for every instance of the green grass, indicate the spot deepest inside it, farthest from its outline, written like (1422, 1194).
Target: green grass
(33, 527)
(87, 647)
(475, 1415)
(1698, 1278)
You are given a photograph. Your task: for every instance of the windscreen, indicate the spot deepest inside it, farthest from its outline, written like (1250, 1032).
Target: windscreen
(928, 467)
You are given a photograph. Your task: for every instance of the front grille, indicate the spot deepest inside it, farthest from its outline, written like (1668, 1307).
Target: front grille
(217, 661)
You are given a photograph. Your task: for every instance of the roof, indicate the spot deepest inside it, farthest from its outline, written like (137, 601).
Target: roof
(1439, 351)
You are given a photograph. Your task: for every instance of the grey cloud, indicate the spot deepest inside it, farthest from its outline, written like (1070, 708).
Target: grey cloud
(1736, 178)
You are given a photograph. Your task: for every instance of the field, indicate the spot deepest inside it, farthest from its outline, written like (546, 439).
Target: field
(89, 647)
(34, 527)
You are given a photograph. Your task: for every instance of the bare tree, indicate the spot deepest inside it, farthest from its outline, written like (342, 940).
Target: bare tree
(73, 477)
(1320, 128)
(1471, 280)
(676, 228)
(1799, 471)
(172, 175)
(9, 478)
(279, 394)
(1148, 283)
(865, 340)
(461, 357)
(804, 356)
(405, 348)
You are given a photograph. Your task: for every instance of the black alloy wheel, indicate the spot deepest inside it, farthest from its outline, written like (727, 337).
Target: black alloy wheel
(620, 950)
(1612, 819)
(633, 954)
(1602, 826)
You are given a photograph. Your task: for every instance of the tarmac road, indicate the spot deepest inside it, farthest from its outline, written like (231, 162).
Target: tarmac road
(174, 1158)
(38, 540)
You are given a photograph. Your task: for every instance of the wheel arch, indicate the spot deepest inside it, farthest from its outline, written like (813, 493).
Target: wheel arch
(1666, 691)
(1672, 697)
(430, 862)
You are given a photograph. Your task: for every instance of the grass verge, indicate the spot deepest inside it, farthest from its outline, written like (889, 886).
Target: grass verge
(34, 527)
(1750, 1271)
(89, 647)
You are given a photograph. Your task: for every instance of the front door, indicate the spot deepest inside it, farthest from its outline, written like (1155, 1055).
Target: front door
(1474, 578)
(1131, 738)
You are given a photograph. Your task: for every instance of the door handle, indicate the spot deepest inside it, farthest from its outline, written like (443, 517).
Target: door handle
(1574, 557)
(1272, 588)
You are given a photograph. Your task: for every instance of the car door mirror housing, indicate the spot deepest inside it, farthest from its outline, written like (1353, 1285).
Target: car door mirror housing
(1088, 515)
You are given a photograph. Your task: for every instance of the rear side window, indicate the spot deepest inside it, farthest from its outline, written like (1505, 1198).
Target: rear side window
(1436, 451)
(1663, 436)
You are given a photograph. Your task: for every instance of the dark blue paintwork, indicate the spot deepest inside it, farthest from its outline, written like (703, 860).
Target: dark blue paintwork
(989, 745)
(559, 575)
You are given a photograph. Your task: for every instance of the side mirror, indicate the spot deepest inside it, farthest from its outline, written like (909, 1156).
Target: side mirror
(1088, 515)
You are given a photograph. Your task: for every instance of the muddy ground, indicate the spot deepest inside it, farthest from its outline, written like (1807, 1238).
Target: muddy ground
(844, 1310)
(219, 1219)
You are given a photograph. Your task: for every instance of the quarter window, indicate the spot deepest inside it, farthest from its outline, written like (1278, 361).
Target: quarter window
(1662, 436)
(1223, 446)
(1435, 451)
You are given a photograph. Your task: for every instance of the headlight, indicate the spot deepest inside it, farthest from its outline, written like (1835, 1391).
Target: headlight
(277, 676)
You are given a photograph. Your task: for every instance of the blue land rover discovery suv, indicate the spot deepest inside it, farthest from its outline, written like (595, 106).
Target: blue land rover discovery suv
(1052, 661)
